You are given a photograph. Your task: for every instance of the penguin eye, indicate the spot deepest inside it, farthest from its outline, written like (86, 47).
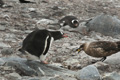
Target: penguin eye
(74, 21)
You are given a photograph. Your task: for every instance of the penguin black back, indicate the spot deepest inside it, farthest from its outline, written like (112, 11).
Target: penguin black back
(35, 42)
(23, 1)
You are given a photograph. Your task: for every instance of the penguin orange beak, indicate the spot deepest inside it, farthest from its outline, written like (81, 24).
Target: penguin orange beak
(65, 35)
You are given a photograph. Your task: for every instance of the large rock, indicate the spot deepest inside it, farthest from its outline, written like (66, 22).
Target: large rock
(105, 24)
(113, 59)
(30, 68)
(88, 73)
(111, 76)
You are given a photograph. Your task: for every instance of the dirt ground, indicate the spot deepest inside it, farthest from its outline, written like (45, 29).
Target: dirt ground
(20, 19)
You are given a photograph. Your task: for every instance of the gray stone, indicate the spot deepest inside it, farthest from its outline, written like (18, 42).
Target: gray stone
(105, 24)
(14, 31)
(13, 58)
(49, 70)
(7, 51)
(2, 78)
(111, 76)
(101, 66)
(57, 64)
(113, 59)
(10, 40)
(30, 68)
(30, 78)
(35, 79)
(63, 78)
(31, 9)
(22, 68)
(15, 75)
(57, 78)
(28, 31)
(8, 35)
(2, 28)
(69, 78)
(71, 61)
(4, 23)
(45, 78)
(2, 62)
(45, 21)
(88, 73)
(26, 15)
(3, 45)
(54, 27)
(35, 14)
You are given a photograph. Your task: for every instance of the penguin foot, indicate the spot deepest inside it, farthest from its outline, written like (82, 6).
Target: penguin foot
(44, 62)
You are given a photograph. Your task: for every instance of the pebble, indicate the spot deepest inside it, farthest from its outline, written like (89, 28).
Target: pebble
(101, 66)
(2, 28)
(3, 45)
(71, 61)
(31, 9)
(15, 75)
(45, 21)
(7, 51)
(63, 78)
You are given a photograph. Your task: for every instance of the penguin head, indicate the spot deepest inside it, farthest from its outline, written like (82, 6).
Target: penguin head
(71, 21)
(74, 23)
(58, 35)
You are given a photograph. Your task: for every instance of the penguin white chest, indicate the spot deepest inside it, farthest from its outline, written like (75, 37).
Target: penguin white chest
(43, 56)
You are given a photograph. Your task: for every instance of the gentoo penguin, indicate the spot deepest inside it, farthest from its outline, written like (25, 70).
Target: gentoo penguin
(66, 23)
(71, 21)
(38, 42)
(23, 1)
(100, 48)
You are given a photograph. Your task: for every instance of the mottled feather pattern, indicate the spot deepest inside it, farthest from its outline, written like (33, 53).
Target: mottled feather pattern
(101, 48)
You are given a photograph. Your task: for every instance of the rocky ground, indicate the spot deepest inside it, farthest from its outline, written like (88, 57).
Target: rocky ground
(18, 20)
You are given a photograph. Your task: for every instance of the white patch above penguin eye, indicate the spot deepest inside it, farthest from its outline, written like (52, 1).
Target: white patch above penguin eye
(62, 24)
(73, 21)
